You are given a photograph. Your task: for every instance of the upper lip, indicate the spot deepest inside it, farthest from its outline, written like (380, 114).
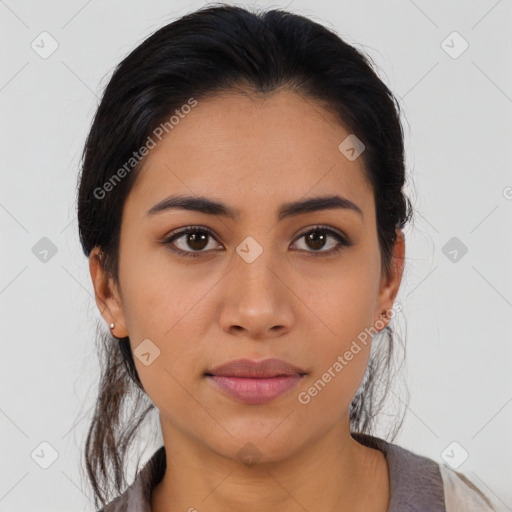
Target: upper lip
(256, 369)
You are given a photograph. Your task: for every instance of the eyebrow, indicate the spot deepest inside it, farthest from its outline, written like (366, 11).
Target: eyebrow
(212, 207)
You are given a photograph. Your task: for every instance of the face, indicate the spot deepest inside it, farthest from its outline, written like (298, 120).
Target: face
(300, 287)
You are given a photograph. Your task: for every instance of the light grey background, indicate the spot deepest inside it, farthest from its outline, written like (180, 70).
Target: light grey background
(456, 316)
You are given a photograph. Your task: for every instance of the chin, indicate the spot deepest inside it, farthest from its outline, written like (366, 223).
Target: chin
(251, 445)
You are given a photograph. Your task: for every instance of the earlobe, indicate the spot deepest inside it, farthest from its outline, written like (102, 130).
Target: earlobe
(106, 295)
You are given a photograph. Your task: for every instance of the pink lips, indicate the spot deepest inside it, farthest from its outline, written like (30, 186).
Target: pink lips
(255, 382)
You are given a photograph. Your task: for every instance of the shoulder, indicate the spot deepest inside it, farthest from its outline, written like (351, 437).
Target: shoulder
(462, 495)
(420, 483)
(137, 497)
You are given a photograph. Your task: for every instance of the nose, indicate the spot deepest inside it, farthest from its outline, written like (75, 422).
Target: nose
(256, 301)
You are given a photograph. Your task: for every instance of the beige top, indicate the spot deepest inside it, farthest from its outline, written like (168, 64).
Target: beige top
(417, 483)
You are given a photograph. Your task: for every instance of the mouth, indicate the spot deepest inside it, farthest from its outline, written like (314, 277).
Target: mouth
(266, 368)
(254, 382)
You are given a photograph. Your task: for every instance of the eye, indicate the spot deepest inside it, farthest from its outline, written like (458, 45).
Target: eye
(194, 237)
(317, 238)
(199, 238)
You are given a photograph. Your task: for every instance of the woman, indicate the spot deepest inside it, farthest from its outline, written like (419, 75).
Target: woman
(241, 204)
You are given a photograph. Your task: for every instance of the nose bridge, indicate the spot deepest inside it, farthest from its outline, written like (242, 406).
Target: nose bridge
(256, 263)
(256, 297)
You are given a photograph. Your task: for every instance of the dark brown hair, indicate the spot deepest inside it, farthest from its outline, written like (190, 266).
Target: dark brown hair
(216, 49)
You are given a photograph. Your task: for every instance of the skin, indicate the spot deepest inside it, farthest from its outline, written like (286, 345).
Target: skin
(293, 302)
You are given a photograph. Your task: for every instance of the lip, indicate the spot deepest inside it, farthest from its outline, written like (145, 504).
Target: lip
(256, 369)
(255, 382)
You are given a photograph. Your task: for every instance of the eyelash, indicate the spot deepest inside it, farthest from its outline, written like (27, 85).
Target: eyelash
(343, 242)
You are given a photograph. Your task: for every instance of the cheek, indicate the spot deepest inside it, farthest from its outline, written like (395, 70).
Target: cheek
(341, 310)
(340, 355)
(156, 293)
(342, 302)
(342, 343)
(165, 306)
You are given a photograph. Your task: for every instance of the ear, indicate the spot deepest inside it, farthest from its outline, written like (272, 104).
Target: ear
(390, 284)
(107, 295)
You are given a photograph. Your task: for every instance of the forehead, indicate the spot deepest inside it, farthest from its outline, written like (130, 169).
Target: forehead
(241, 148)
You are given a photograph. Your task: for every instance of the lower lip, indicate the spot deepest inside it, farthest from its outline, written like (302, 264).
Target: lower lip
(253, 390)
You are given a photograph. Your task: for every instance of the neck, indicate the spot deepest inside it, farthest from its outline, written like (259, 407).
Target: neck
(332, 473)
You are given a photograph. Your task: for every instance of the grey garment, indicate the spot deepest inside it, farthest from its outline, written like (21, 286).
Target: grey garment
(416, 483)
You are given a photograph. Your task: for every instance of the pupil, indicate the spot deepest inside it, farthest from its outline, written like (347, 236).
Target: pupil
(194, 238)
(317, 240)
